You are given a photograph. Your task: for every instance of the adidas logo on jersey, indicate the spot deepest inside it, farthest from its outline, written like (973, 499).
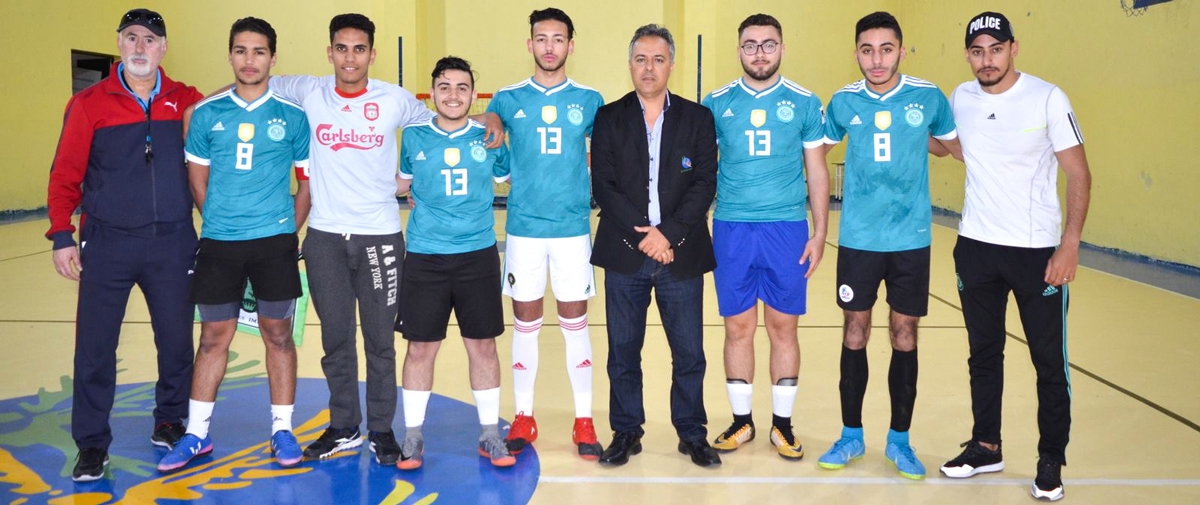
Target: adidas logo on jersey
(1050, 291)
(587, 363)
(218, 127)
(519, 366)
(421, 156)
(728, 113)
(520, 114)
(346, 109)
(855, 121)
(993, 116)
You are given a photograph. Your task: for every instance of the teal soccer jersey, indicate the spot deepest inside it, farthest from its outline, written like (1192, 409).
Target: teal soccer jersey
(250, 149)
(548, 130)
(885, 189)
(452, 174)
(762, 136)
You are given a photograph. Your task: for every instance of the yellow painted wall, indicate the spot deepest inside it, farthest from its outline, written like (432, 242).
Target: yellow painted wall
(35, 87)
(492, 35)
(1131, 79)
(1133, 84)
(37, 83)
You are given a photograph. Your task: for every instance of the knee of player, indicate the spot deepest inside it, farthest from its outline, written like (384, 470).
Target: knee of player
(421, 352)
(483, 348)
(279, 340)
(904, 341)
(213, 343)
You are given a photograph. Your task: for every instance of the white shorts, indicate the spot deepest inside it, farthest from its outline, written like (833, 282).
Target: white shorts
(569, 259)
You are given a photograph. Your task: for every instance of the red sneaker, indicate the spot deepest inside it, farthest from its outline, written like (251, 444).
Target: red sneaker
(522, 433)
(584, 437)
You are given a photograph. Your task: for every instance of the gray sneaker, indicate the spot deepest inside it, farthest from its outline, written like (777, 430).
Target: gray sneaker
(412, 454)
(494, 449)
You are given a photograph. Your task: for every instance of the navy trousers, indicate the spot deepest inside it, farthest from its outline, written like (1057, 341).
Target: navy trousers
(159, 261)
(680, 304)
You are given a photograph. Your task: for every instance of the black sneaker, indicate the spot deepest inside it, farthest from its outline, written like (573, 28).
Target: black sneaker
(333, 441)
(384, 445)
(1048, 485)
(90, 465)
(167, 434)
(975, 459)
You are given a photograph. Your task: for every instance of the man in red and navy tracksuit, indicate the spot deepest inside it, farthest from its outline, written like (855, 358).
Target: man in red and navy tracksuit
(120, 157)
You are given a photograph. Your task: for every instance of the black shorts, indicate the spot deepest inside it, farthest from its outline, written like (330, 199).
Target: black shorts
(905, 274)
(433, 284)
(223, 267)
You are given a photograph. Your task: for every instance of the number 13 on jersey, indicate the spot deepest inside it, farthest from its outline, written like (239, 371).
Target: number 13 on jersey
(551, 139)
(456, 181)
(759, 142)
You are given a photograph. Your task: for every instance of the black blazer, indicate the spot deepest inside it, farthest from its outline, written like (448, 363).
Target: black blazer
(687, 184)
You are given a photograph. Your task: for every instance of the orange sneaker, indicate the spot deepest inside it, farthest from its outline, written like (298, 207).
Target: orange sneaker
(584, 437)
(493, 449)
(522, 433)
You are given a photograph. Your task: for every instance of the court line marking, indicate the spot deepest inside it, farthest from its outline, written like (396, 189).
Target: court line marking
(1112, 385)
(1104, 251)
(551, 479)
(25, 255)
(1143, 400)
(1163, 410)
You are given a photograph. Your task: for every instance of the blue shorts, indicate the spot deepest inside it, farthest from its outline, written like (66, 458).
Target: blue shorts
(760, 261)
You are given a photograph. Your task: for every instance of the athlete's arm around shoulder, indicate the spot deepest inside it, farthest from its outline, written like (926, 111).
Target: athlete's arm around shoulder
(295, 87)
(943, 131)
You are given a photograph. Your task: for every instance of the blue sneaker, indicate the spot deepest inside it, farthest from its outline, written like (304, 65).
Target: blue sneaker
(286, 449)
(845, 449)
(186, 449)
(901, 454)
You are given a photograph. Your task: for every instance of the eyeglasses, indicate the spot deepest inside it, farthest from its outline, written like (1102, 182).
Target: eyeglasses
(139, 17)
(768, 47)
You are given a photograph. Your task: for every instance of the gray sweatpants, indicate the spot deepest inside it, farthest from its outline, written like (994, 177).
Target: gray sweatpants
(343, 270)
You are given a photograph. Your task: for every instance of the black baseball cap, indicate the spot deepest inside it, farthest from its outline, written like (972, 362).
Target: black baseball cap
(144, 17)
(990, 23)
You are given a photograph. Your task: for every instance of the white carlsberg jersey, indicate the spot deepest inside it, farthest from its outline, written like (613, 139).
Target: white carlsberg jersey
(1009, 141)
(353, 159)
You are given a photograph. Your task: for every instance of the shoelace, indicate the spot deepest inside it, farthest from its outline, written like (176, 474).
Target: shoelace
(1051, 469)
(495, 447)
(734, 429)
(906, 452)
(585, 431)
(973, 449)
(789, 438)
(842, 446)
(412, 448)
(388, 438)
(521, 423)
(91, 453)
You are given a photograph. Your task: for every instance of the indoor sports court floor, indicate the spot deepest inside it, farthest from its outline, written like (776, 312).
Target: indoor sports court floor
(1135, 438)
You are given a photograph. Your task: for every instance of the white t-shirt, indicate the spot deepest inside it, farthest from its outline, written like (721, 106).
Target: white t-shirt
(353, 159)
(1008, 142)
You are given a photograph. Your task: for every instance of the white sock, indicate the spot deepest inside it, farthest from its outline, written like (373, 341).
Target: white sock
(782, 399)
(579, 362)
(487, 402)
(281, 417)
(414, 407)
(740, 397)
(199, 417)
(525, 363)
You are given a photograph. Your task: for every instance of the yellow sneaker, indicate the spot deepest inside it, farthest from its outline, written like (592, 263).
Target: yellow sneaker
(734, 437)
(786, 444)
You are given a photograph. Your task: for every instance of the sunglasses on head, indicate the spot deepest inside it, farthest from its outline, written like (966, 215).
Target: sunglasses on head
(137, 17)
